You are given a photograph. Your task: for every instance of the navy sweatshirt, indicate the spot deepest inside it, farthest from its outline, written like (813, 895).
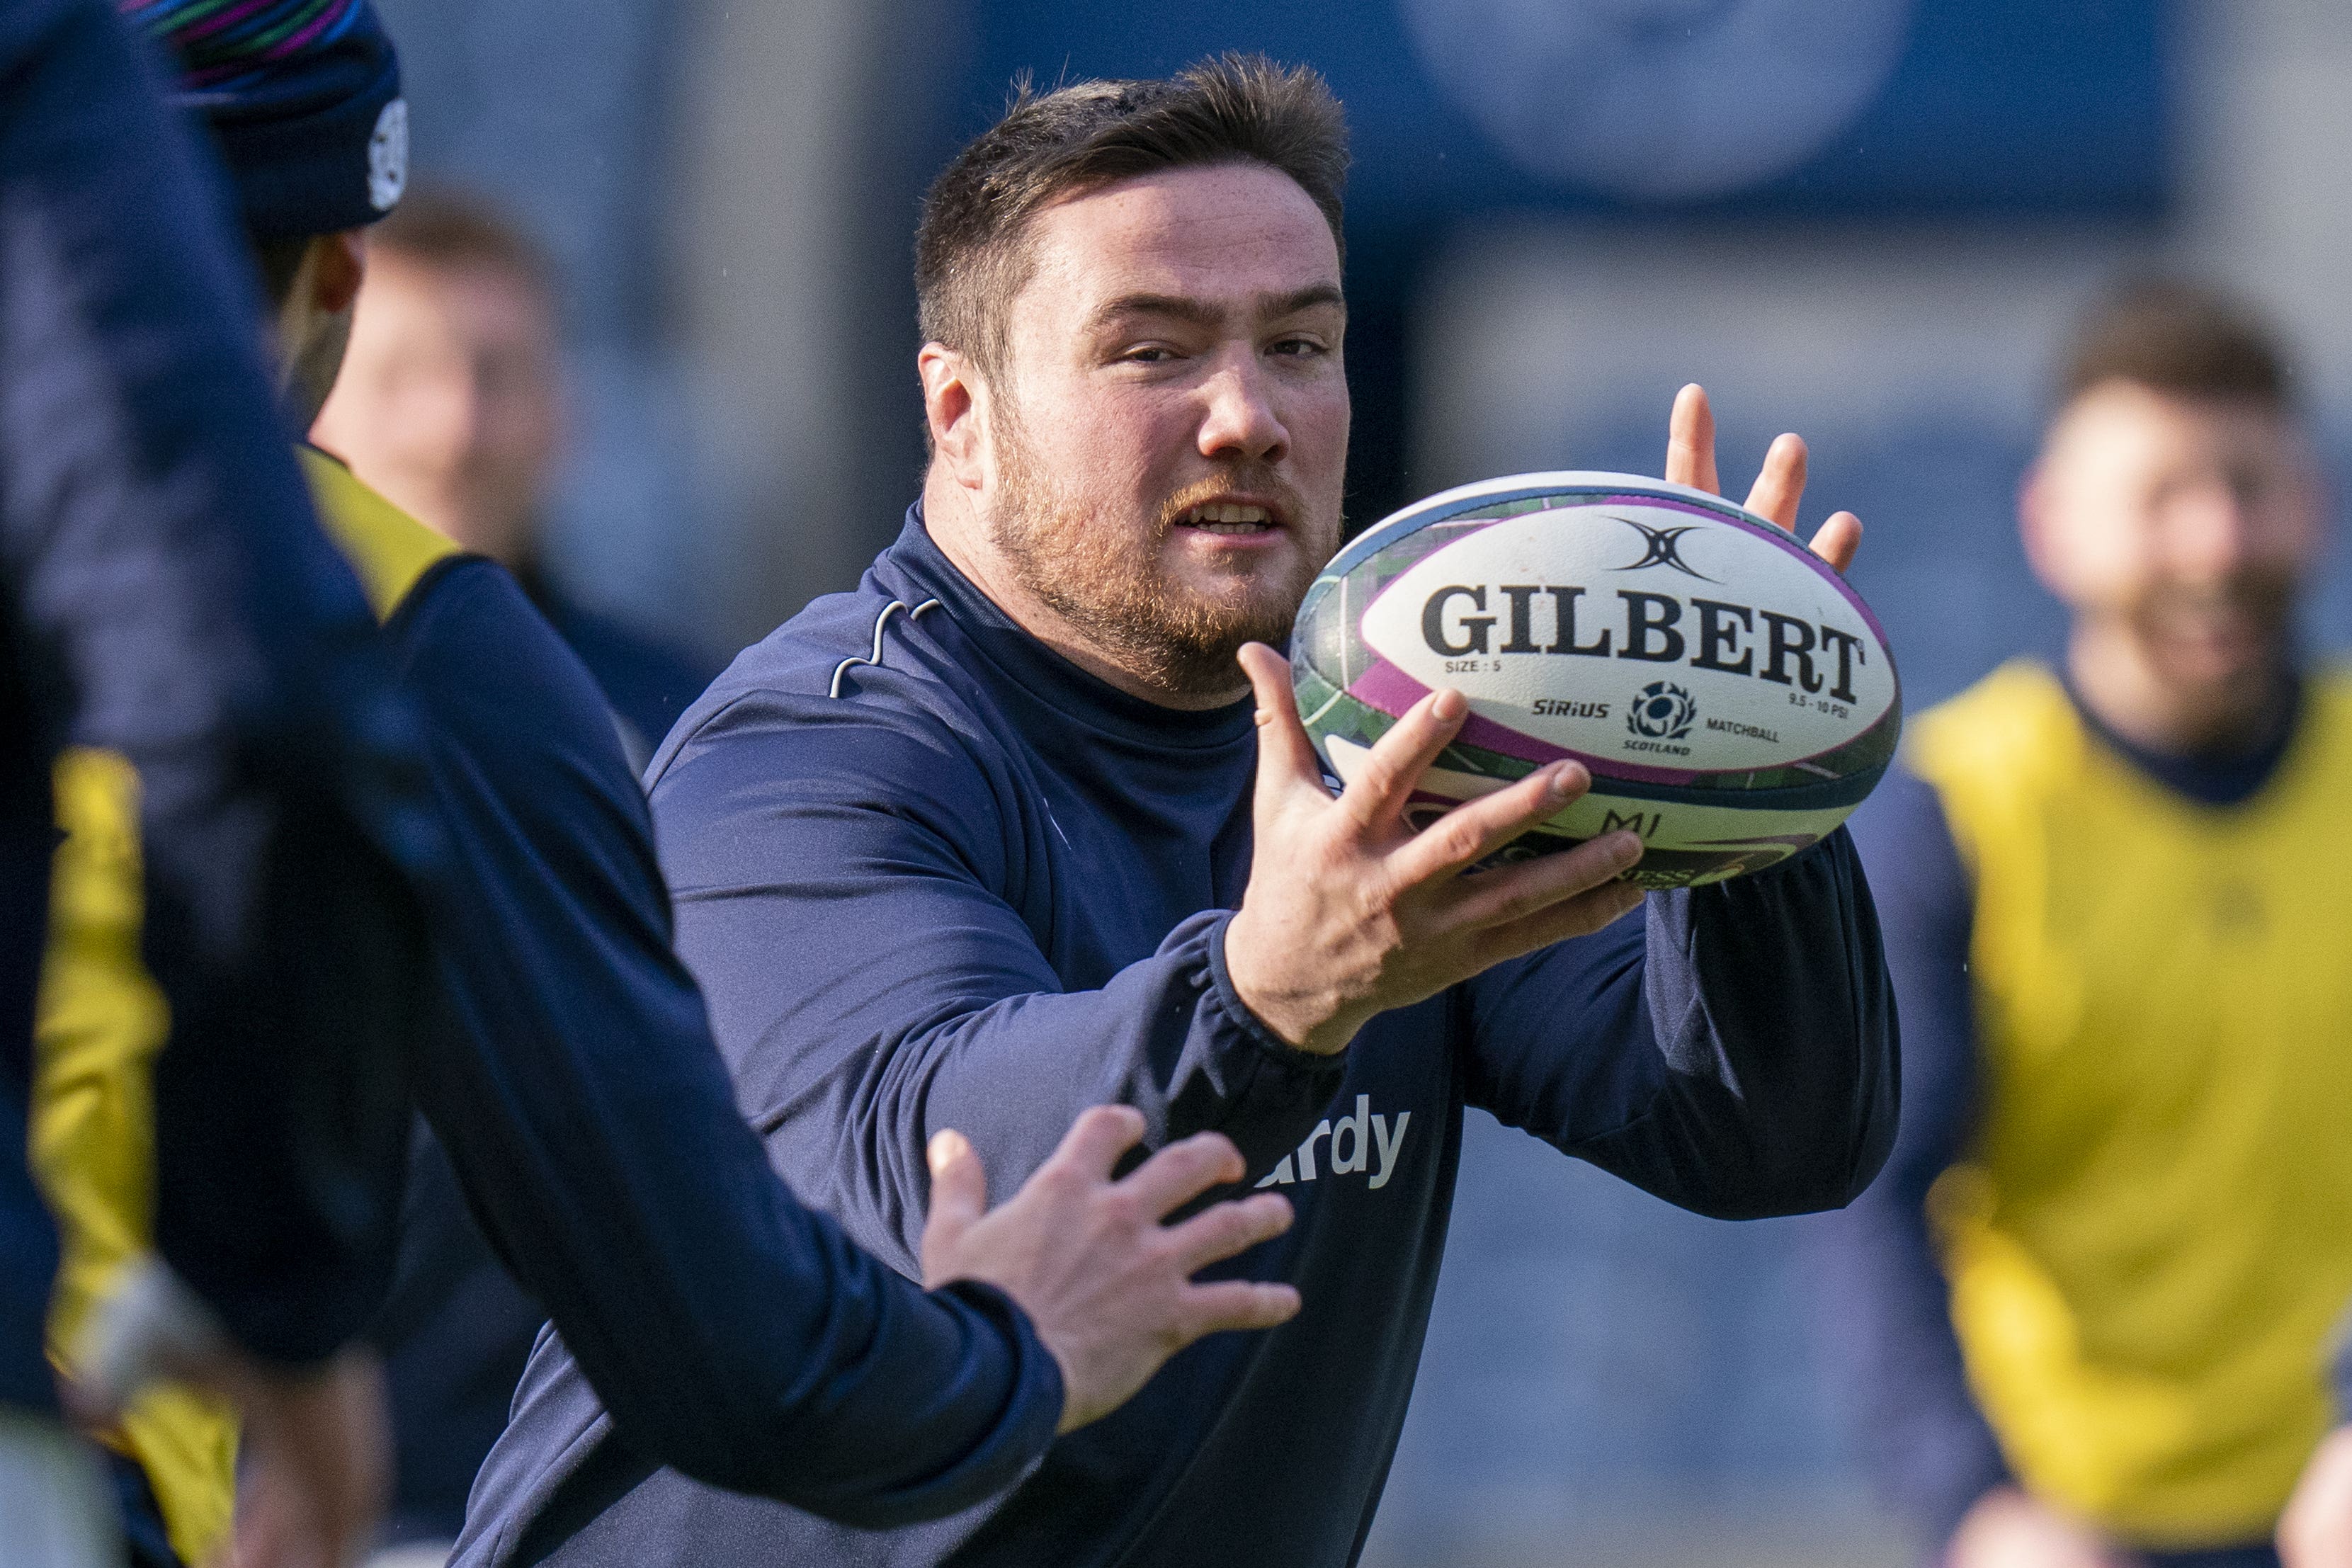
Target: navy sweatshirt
(164, 591)
(1928, 1445)
(931, 875)
(456, 1330)
(567, 1070)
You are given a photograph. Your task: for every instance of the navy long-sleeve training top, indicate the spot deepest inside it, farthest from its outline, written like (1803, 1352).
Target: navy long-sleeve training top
(164, 591)
(456, 1330)
(1926, 1442)
(568, 1071)
(932, 875)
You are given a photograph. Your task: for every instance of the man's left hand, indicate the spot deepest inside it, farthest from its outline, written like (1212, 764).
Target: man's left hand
(1690, 460)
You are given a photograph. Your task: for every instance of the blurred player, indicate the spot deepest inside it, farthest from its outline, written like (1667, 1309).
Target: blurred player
(998, 803)
(567, 1064)
(2114, 914)
(449, 404)
(164, 592)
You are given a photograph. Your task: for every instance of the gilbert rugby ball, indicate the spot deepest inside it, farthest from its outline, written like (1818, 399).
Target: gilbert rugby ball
(1731, 697)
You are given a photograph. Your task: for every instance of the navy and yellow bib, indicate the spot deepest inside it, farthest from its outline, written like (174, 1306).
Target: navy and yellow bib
(2151, 1238)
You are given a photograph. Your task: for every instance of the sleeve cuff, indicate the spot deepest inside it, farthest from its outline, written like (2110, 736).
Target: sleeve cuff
(1246, 1023)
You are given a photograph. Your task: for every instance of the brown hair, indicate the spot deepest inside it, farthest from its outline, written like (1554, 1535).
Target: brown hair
(447, 229)
(1231, 108)
(2179, 338)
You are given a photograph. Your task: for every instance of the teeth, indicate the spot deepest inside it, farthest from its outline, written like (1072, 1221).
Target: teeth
(1228, 517)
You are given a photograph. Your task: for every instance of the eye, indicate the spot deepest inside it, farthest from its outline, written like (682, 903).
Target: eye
(1148, 354)
(1299, 347)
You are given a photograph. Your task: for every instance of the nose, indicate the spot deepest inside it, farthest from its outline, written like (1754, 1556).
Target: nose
(1240, 420)
(2212, 529)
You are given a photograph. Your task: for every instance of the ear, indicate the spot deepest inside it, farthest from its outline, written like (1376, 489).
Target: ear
(2033, 526)
(955, 412)
(337, 267)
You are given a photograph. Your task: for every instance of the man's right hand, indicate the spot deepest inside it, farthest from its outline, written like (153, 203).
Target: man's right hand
(2008, 1529)
(1107, 1285)
(1350, 912)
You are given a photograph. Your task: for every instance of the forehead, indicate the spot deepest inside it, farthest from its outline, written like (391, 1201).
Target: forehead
(474, 283)
(1232, 230)
(2121, 420)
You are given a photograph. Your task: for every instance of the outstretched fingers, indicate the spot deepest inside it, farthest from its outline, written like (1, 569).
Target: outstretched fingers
(1377, 794)
(1475, 829)
(958, 1199)
(1572, 917)
(1690, 441)
(1098, 1141)
(1838, 540)
(1183, 1171)
(1237, 1304)
(1285, 757)
(1511, 893)
(1228, 1230)
(1780, 483)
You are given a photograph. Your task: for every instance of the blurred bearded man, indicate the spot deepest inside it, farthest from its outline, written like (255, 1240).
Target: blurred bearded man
(451, 404)
(2096, 1283)
(1003, 831)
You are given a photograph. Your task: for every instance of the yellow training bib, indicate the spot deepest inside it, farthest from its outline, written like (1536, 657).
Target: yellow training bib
(2151, 1239)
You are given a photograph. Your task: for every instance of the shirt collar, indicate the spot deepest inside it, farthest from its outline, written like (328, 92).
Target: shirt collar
(922, 570)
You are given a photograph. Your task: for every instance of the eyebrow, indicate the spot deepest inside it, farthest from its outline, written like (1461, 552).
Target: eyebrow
(1199, 313)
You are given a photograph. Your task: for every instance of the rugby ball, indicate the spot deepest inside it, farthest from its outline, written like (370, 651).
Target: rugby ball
(1731, 696)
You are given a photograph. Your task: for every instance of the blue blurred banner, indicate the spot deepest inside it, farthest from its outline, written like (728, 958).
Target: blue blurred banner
(1945, 109)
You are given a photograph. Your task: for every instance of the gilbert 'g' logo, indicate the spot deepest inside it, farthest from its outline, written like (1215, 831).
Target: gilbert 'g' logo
(1662, 711)
(1664, 549)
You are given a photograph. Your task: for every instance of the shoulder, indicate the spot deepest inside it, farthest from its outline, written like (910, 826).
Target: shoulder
(811, 723)
(854, 681)
(388, 549)
(500, 685)
(2016, 721)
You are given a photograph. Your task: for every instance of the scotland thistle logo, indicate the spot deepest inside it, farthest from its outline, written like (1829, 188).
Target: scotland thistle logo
(1660, 712)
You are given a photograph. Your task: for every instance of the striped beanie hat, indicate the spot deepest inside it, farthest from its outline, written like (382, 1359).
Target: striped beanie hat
(303, 99)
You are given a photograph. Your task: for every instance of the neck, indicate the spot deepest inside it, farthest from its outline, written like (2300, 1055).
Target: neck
(957, 526)
(2114, 679)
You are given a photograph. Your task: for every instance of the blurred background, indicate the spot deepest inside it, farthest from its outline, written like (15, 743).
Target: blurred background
(1870, 221)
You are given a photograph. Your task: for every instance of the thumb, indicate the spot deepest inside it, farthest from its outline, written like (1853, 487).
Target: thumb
(1285, 757)
(958, 1197)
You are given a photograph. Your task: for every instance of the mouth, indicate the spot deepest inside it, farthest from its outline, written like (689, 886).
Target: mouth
(1231, 518)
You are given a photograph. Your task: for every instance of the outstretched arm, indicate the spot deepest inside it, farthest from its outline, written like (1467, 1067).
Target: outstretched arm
(730, 1332)
(1733, 1053)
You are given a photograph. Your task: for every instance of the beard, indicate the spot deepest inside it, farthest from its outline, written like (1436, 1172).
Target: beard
(2223, 634)
(1111, 583)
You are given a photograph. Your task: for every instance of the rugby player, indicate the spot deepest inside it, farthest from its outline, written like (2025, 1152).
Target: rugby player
(567, 1066)
(999, 834)
(2094, 1292)
(164, 591)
